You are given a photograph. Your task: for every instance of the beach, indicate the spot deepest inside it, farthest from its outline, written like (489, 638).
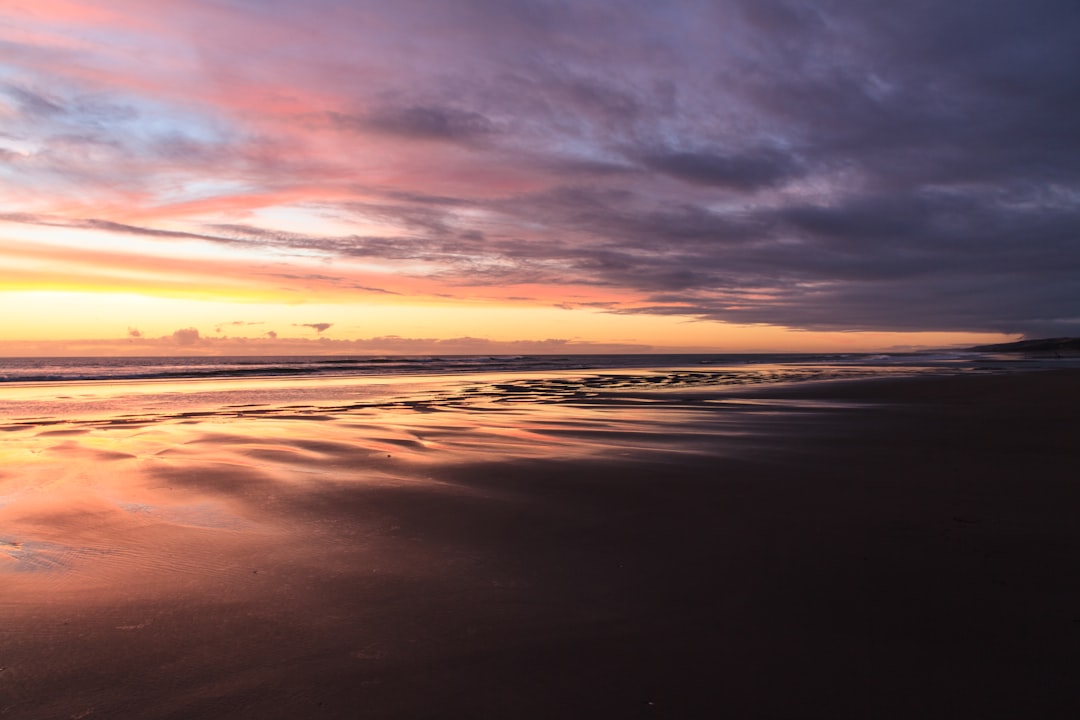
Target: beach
(641, 544)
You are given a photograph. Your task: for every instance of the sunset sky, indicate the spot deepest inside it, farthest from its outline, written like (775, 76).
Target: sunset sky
(246, 176)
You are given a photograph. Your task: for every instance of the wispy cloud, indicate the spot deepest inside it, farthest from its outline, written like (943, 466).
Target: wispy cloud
(421, 123)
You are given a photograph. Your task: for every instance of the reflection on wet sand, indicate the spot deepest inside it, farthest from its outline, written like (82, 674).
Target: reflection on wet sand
(574, 548)
(135, 404)
(104, 489)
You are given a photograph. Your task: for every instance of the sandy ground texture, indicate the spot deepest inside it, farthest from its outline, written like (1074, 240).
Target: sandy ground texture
(903, 548)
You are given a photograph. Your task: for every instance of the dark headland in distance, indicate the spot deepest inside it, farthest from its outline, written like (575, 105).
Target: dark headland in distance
(1071, 344)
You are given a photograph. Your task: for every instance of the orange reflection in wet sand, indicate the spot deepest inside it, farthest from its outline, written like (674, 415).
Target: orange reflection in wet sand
(178, 532)
(178, 491)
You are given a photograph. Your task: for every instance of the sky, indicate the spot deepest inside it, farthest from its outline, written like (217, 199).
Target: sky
(262, 176)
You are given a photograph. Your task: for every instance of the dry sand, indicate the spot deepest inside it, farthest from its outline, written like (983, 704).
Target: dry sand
(901, 548)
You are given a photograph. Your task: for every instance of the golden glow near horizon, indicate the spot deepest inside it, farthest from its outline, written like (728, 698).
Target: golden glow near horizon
(76, 289)
(58, 323)
(72, 290)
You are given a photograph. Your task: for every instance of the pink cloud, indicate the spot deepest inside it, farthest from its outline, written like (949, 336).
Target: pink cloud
(186, 337)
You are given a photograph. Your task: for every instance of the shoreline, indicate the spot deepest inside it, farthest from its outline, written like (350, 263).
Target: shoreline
(125, 401)
(885, 548)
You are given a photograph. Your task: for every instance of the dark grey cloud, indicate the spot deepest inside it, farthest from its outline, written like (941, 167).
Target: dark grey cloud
(122, 228)
(113, 227)
(421, 123)
(33, 103)
(88, 111)
(317, 327)
(927, 260)
(910, 167)
(738, 171)
(926, 93)
(334, 280)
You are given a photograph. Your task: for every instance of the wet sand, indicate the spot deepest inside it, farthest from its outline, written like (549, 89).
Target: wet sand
(866, 548)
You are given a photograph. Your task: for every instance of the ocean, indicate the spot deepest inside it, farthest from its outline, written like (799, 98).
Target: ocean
(36, 391)
(90, 369)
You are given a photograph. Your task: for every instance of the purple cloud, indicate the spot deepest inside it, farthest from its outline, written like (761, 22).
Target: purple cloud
(317, 327)
(186, 337)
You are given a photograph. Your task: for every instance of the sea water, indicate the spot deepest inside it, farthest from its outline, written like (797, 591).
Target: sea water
(58, 389)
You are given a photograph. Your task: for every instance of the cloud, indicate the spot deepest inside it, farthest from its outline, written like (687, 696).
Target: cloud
(817, 165)
(33, 103)
(107, 226)
(186, 337)
(273, 344)
(236, 323)
(738, 171)
(421, 123)
(317, 327)
(134, 332)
